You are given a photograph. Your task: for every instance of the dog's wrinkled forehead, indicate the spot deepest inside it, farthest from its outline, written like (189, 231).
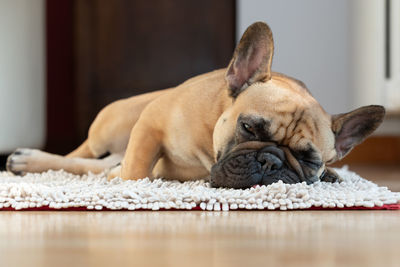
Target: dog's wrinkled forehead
(292, 116)
(280, 111)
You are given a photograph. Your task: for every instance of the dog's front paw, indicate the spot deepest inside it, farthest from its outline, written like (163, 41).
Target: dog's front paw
(114, 172)
(20, 161)
(331, 176)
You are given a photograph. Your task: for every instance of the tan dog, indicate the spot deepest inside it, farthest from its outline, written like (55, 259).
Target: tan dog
(243, 125)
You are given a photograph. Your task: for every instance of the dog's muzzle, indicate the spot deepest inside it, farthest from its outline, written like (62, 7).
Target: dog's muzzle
(254, 162)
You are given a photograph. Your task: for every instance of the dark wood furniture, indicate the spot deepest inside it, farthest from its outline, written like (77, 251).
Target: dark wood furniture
(99, 51)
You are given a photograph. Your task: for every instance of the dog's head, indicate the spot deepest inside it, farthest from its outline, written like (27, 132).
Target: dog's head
(275, 130)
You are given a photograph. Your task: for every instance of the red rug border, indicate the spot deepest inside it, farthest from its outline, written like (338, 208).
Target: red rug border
(197, 208)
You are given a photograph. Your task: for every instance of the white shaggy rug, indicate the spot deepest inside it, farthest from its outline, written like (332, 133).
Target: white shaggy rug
(62, 190)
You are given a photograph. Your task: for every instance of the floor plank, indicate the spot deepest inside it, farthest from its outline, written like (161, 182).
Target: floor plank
(248, 238)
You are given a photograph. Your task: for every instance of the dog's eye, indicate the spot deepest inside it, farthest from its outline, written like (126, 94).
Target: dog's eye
(248, 128)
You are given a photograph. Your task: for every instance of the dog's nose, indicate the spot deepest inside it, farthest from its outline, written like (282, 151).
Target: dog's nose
(269, 161)
(271, 157)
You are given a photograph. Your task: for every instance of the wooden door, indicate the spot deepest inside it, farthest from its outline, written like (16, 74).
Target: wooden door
(109, 50)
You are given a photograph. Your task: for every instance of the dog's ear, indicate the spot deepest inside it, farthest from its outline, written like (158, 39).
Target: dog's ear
(252, 59)
(352, 128)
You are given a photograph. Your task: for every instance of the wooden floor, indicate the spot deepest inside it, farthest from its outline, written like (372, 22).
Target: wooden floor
(302, 238)
(259, 238)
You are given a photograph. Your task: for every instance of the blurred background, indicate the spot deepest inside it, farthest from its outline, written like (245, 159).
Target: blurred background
(62, 61)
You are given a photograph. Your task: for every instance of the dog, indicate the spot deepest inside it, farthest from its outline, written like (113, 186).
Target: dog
(239, 126)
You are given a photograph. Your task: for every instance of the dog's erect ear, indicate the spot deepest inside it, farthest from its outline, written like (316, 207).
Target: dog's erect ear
(252, 59)
(352, 128)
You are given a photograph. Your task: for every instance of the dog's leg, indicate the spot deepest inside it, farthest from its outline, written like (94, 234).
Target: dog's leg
(114, 172)
(331, 176)
(83, 151)
(143, 152)
(32, 160)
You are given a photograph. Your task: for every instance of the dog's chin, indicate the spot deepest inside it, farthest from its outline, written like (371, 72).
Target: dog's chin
(243, 170)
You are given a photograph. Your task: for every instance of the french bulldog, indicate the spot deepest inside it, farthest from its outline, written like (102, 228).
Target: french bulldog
(238, 126)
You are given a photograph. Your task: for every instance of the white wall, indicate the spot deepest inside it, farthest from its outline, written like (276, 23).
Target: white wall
(311, 44)
(22, 74)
